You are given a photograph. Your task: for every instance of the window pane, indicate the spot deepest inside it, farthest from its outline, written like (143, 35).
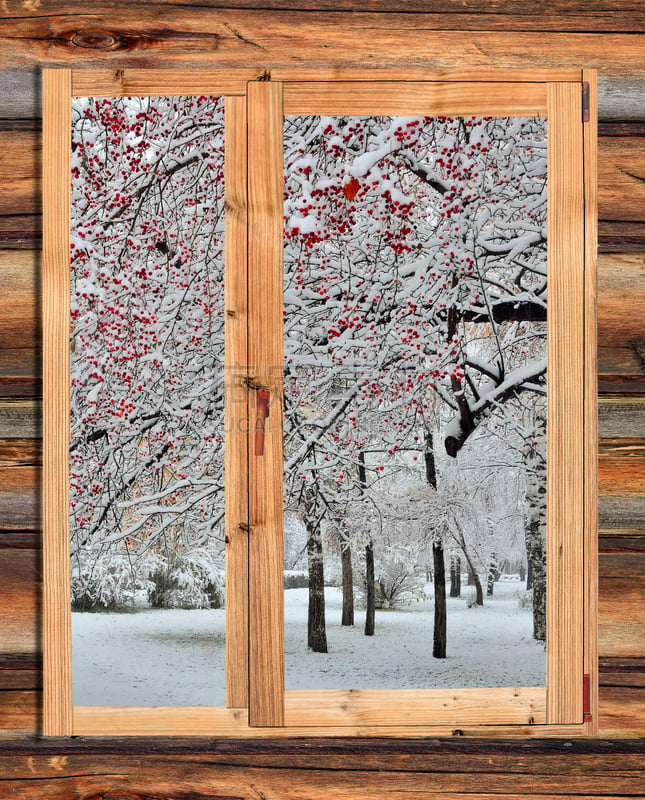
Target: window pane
(415, 402)
(147, 410)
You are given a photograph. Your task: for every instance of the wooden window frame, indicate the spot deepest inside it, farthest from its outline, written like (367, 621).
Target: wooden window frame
(253, 246)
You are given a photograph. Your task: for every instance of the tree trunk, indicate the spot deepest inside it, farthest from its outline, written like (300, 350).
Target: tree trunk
(348, 584)
(493, 576)
(538, 581)
(534, 455)
(479, 592)
(438, 563)
(471, 577)
(316, 631)
(455, 576)
(370, 589)
(439, 639)
(370, 593)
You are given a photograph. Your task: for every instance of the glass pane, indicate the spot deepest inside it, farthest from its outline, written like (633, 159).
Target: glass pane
(147, 411)
(415, 402)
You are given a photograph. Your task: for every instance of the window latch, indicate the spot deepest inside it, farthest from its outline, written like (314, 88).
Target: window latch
(261, 414)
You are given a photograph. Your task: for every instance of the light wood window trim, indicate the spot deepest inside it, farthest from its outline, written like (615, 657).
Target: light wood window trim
(60, 717)
(57, 635)
(561, 102)
(441, 98)
(265, 245)
(531, 711)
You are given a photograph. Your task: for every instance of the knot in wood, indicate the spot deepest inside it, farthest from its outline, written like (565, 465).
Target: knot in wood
(96, 40)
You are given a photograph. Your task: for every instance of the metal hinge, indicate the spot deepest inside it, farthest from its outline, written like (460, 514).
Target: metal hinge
(586, 698)
(586, 110)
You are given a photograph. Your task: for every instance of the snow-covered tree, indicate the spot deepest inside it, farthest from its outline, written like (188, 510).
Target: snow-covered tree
(147, 379)
(415, 272)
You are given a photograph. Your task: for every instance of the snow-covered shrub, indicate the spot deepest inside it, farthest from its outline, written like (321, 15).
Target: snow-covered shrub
(194, 579)
(102, 582)
(525, 598)
(296, 579)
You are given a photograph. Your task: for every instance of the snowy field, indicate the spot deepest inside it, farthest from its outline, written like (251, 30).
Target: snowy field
(173, 657)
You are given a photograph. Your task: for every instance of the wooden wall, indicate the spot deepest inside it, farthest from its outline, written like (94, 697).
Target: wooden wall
(266, 34)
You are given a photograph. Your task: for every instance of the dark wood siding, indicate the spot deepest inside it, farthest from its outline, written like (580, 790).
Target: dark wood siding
(266, 34)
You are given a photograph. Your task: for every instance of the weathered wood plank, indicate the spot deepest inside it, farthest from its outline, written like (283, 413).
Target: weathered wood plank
(20, 358)
(621, 417)
(201, 36)
(19, 498)
(20, 601)
(20, 167)
(534, 756)
(621, 467)
(434, 772)
(20, 714)
(19, 301)
(20, 452)
(621, 476)
(21, 386)
(20, 419)
(548, 13)
(22, 232)
(287, 36)
(622, 711)
(621, 624)
(621, 179)
(621, 299)
(621, 543)
(20, 432)
(627, 672)
(621, 237)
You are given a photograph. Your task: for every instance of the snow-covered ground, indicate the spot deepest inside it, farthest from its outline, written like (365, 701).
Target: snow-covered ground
(487, 646)
(175, 657)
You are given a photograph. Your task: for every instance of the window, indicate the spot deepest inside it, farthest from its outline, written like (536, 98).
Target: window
(309, 325)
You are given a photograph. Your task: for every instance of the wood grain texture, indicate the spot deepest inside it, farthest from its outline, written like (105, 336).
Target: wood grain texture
(20, 452)
(19, 315)
(622, 485)
(236, 467)
(403, 707)
(621, 711)
(20, 573)
(621, 170)
(20, 166)
(150, 82)
(590, 399)
(565, 397)
(280, 770)
(446, 98)
(20, 419)
(126, 37)
(621, 624)
(621, 300)
(621, 417)
(266, 594)
(19, 498)
(620, 98)
(57, 645)
(621, 237)
(565, 14)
